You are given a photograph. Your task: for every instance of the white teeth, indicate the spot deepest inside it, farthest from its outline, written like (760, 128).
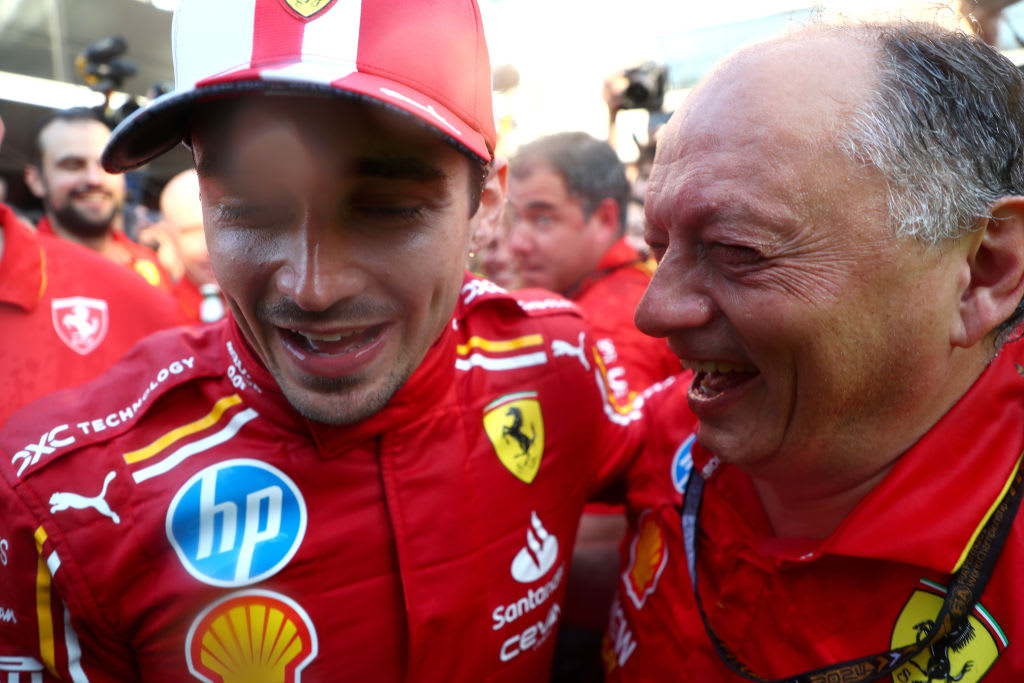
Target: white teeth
(716, 366)
(327, 337)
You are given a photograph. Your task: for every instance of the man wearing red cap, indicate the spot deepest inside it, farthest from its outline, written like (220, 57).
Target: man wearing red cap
(374, 467)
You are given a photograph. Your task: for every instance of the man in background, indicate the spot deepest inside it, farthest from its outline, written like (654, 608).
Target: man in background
(182, 249)
(66, 313)
(83, 202)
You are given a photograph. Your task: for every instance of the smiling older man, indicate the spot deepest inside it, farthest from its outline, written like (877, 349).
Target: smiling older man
(839, 221)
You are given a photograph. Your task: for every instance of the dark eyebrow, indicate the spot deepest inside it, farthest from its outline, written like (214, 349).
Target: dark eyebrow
(399, 168)
(389, 168)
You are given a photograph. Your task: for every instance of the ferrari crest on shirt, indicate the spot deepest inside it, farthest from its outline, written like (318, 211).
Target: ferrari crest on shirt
(965, 655)
(80, 322)
(307, 8)
(516, 429)
(252, 635)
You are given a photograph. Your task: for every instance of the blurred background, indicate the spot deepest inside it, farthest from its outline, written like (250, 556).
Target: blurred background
(555, 62)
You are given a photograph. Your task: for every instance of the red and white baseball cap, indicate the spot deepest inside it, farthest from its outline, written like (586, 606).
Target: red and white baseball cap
(427, 58)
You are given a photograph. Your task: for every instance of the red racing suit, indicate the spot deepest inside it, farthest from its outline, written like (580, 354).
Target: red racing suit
(67, 314)
(785, 606)
(178, 519)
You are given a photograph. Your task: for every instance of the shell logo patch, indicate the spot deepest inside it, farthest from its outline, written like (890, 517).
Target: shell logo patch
(964, 655)
(249, 636)
(515, 426)
(648, 555)
(307, 8)
(80, 322)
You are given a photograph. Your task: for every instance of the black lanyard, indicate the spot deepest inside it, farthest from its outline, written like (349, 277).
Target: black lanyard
(964, 591)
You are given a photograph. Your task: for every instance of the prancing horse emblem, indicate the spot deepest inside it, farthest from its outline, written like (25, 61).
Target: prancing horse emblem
(515, 427)
(515, 430)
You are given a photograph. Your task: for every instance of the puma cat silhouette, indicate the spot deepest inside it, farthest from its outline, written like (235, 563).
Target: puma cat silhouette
(564, 348)
(63, 501)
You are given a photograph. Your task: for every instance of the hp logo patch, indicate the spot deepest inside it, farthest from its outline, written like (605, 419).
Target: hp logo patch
(237, 522)
(682, 463)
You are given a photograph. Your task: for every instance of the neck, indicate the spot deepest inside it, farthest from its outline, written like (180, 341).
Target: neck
(104, 244)
(794, 511)
(812, 495)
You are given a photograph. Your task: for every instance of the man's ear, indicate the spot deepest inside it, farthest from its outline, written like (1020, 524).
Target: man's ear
(995, 263)
(606, 216)
(34, 181)
(487, 220)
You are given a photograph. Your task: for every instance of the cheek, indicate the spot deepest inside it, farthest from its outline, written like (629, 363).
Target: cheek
(235, 259)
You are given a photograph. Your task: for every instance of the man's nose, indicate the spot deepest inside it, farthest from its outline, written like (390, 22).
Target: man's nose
(520, 240)
(676, 299)
(94, 173)
(321, 266)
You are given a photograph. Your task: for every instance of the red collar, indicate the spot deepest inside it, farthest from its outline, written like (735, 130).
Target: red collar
(22, 265)
(45, 227)
(933, 502)
(616, 256)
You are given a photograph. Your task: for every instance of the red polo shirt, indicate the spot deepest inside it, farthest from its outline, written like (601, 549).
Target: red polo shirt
(788, 605)
(139, 258)
(66, 313)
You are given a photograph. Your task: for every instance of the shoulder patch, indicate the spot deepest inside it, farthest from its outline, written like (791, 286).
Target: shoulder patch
(103, 408)
(532, 302)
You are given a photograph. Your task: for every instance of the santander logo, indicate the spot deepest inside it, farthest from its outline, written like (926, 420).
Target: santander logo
(538, 556)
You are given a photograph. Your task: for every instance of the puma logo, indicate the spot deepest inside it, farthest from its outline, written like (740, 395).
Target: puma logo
(64, 501)
(564, 348)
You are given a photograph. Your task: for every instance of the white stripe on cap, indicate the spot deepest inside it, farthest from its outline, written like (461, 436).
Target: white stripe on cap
(308, 72)
(212, 49)
(335, 33)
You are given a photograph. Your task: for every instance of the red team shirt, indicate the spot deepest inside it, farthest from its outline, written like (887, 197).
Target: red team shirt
(785, 606)
(177, 520)
(138, 257)
(66, 313)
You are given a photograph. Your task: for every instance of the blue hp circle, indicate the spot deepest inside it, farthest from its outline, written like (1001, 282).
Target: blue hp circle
(237, 522)
(682, 463)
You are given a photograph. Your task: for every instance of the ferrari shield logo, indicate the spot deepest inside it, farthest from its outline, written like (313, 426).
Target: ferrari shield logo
(516, 429)
(307, 8)
(965, 655)
(80, 322)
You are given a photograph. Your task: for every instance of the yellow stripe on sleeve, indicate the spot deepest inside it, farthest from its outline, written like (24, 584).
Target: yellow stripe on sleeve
(185, 430)
(43, 588)
(502, 345)
(984, 520)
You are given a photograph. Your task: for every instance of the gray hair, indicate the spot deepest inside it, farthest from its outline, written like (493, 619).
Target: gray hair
(944, 127)
(590, 167)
